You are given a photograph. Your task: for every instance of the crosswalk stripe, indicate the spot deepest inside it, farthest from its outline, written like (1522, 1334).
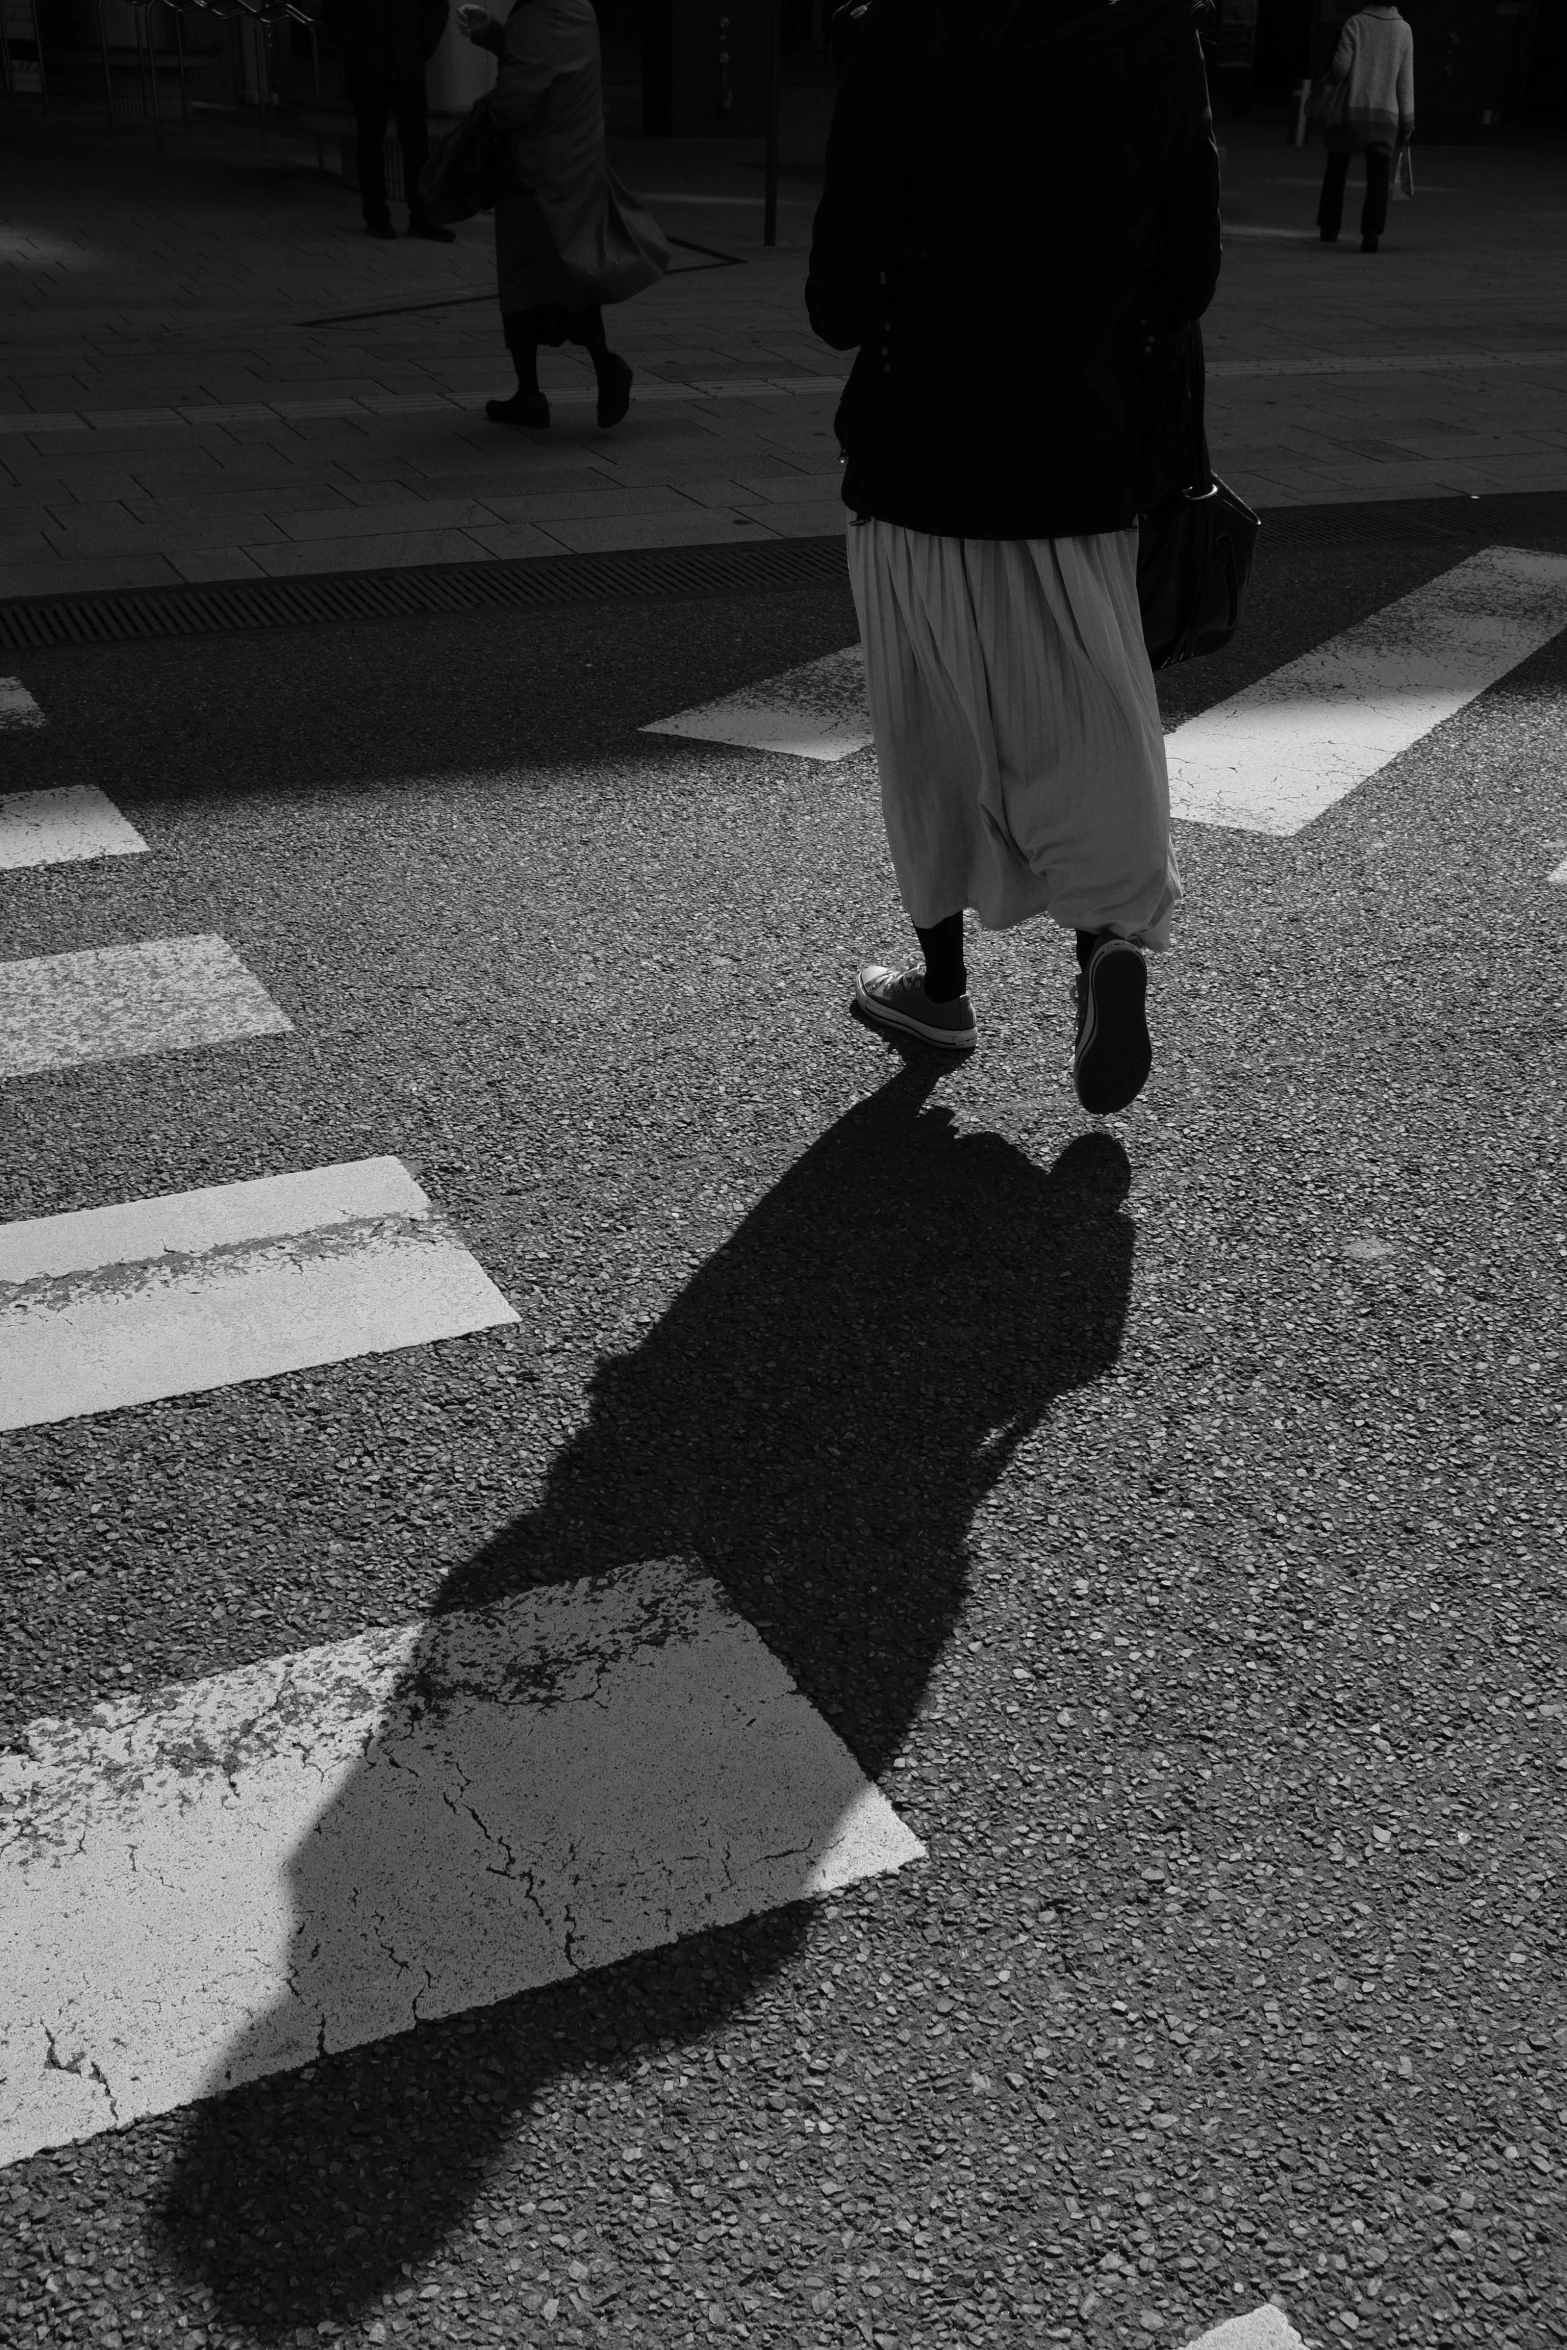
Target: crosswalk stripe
(1266, 2328)
(230, 1878)
(817, 711)
(1277, 755)
(120, 1305)
(64, 826)
(17, 707)
(121, 1003)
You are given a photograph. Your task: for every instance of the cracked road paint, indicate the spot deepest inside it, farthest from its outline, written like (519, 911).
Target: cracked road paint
(119, 1305)
(1266, 2328)
(65, 826)
(17, 707)
(121, 1003)
(817, 711)
(224, 1880)
(1276, 756)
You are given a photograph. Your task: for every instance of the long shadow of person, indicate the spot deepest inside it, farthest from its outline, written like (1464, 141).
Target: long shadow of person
(813, 1424)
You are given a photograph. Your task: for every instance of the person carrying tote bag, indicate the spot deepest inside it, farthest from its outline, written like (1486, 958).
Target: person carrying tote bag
(1017, 194)
(1368, 108)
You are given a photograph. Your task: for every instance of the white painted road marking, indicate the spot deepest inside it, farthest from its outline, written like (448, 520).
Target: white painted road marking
(1266, 2328)
(1277, 755)
(1560, 874)
(119, 1305)
(818, 711)
(17, 707)
(64, 826)
(223, 1880)
(121, 1003)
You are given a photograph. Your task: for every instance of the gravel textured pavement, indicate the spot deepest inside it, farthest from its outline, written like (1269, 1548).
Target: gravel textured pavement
(1167, 1513)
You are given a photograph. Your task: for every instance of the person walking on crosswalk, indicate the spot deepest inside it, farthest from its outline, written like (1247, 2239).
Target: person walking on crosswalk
(568, 236)
(1018, 195)
(1369, 101)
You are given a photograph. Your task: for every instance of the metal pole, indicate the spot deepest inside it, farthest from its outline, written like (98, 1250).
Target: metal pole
(108, 78)
(774, 107)
(263, 76)
(152, 75)
(179, 53)
(139, 19)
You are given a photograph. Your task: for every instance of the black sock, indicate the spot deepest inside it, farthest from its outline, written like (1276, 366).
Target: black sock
(587, 331)
(524, 351)
(946, 978)
(1087, 940)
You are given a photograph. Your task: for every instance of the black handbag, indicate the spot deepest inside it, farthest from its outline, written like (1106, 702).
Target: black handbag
(462, 173)
(1197, 537)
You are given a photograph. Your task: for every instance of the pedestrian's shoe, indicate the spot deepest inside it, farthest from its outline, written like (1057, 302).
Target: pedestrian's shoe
(379, 228)
(1368, 245)
(614, 390)
(897, 999)
(517, 410)
(432, 232)
(1113, 1057)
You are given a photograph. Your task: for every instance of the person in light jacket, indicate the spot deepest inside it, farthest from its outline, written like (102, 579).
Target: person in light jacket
(568, 236)
(1021, 197)
(1374, 65)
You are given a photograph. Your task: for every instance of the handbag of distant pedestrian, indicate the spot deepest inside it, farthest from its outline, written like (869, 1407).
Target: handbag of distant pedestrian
(462, 173)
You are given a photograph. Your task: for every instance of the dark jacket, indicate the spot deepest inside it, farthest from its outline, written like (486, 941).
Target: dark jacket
(1019, 194)
(386, 40)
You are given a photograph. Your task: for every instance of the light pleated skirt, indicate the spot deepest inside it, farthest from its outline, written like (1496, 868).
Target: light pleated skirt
(1017, 729)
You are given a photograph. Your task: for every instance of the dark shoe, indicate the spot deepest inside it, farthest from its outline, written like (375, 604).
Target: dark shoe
(1329, 236)
(614, 390)
(517, 410)
(1368, 244)
(379, 228)
(1113, 1057)
(432, 232)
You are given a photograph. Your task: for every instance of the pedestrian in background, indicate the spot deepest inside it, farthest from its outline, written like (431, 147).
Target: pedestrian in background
(568, 236)
(386, 46)
(1018, 194)
(1371, 89)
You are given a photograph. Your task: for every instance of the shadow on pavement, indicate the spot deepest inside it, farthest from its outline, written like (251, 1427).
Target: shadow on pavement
(815, 1421)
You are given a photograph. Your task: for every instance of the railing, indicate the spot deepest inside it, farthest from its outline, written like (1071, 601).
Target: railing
(259, 19)
(22, 51)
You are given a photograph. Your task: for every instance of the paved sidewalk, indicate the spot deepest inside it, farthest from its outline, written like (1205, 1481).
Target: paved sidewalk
(212, 374)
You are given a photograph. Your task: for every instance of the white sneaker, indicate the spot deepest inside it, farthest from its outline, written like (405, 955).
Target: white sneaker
(897, 999)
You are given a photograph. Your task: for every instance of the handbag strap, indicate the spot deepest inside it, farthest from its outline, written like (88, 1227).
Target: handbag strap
(1203, 484)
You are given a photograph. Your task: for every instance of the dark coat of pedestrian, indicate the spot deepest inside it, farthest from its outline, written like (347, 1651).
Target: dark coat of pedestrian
(568, 236)
(1371, 96)
(1021, 200)
(386, 46)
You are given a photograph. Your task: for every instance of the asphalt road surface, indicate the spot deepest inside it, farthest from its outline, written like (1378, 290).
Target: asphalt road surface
(1165, 1515)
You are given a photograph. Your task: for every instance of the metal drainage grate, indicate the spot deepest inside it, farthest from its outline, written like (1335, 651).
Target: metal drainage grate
(218, 609)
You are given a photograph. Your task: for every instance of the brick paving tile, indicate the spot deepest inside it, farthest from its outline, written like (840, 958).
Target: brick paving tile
(697, 527)
(349, 522)
(516, 538)
(217, 563)
(367, 554)
(59, 575)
